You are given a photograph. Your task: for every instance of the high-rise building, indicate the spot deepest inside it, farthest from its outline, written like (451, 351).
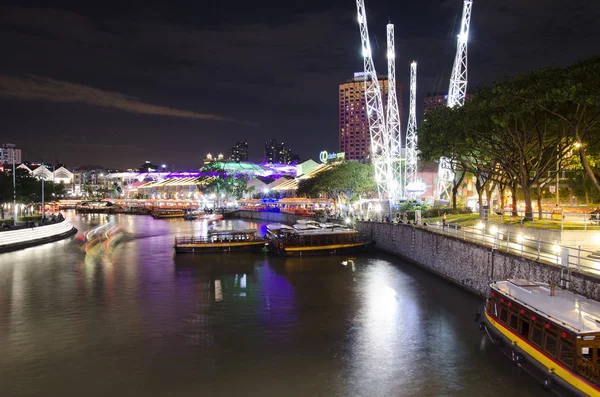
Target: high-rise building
(355, 138)
(7, 151)
(239, 151)
(277, 153)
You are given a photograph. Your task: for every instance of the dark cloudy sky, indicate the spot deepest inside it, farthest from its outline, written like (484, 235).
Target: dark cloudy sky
(119, 83)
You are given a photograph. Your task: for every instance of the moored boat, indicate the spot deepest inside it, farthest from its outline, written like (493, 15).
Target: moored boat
(219, 240)
(167, 214)
(552, 333)
(300, 242)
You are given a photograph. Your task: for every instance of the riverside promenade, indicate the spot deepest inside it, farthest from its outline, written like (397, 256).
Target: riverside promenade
(23, 237)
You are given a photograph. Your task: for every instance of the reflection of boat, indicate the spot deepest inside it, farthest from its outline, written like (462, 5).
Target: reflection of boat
(318, 241)
(219, 240)
(165, 214)
(217, 263)
(552, 333)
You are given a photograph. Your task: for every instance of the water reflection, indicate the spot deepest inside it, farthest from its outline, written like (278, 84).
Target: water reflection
(148, 322)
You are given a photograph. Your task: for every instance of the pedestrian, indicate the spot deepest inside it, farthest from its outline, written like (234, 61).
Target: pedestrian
(444, 219)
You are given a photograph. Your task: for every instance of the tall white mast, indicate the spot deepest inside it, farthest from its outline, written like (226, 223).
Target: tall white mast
(377, 128)
(458, 80)
(411, 131)
(393, 120)
(456, 94)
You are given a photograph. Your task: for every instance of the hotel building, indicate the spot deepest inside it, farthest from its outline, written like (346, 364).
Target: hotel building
(355, 139)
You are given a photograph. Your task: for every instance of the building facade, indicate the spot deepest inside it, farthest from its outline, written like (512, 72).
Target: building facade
(354, 135)
(7, 152)
(277, 153)
(239, 152)
(432, 101)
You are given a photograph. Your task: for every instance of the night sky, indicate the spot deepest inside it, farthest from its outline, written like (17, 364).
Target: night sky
(116, 84)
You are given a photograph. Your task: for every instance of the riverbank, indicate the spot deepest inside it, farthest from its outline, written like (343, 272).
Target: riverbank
(468, 264)
(12, 240)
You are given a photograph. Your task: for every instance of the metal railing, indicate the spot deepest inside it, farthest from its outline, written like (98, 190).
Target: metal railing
(554, 219)
(574, 258)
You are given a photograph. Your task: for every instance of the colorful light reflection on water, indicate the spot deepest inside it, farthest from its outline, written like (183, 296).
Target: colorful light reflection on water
(147, 322)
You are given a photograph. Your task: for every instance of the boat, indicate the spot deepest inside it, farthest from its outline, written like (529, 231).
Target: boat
(210, 217)
(306, 225)
(274, 228)
(552, 333)
(166, 214)
(94, 207)
(329, 225)
(219, 240)
(300, 242)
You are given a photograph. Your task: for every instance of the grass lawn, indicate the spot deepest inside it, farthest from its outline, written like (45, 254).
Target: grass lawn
(473, 219)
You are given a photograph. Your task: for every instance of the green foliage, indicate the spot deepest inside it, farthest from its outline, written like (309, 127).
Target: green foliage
(515, 131)
(345, 181)
(232, 186)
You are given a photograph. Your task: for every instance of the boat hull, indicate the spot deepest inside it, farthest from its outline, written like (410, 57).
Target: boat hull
(167, 216)
(198, 248)
(549, 372)
(333, 249)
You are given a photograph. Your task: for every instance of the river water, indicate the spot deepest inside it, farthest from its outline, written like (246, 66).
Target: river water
(139, 321)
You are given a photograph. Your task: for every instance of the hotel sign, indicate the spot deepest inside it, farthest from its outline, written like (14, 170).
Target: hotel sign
(325, 157)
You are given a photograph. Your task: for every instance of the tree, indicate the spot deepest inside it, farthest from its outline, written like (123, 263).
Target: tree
(6, 191)
(517, 135)
(572, 96)
(443, 135)
(346, 182)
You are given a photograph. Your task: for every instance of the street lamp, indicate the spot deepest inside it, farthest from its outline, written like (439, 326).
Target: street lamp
(14, 191)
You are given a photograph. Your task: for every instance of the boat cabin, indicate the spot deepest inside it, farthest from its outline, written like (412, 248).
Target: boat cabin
(321, 237)
(220, 236)
(558, 324)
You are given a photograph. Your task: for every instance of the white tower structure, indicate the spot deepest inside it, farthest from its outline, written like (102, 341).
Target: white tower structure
(411, 134)
(379, 138)
(393, 121)
(458, 80)
(456, 93)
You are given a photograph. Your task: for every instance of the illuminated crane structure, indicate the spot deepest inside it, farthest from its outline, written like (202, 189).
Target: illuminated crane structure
(380, 145)
(393, 122)
(410, 175)
(457, 93)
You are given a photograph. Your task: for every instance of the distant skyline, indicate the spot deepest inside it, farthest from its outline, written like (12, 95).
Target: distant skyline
(117, 85)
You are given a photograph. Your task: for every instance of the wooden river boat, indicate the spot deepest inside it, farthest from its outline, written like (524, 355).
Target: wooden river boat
(221, 241)
(553, 334)
(320, 241)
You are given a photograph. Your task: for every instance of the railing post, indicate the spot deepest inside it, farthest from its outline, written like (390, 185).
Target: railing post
(562, 220)
(584, 220)
(539, 247)
(579, 258)
(521, 247)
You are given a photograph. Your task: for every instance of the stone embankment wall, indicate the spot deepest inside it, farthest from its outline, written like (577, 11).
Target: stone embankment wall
(470, 265)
